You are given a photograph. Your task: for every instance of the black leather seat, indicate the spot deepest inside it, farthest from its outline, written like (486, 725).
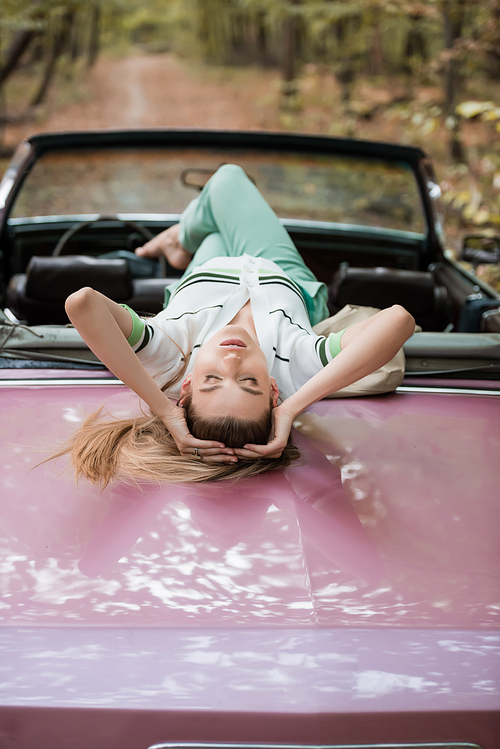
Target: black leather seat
(38, 295)
(416, 291)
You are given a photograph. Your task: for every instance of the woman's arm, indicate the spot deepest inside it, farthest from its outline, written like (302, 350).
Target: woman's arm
(366, 346)
(105, 326)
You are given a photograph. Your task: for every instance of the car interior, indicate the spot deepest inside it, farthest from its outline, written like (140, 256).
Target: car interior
(362, 231)
(36, 294)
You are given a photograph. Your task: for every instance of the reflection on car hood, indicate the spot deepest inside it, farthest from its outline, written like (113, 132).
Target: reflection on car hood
(390, 519)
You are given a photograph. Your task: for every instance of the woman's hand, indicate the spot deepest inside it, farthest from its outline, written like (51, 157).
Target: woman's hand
(283, 417)
(190, 447)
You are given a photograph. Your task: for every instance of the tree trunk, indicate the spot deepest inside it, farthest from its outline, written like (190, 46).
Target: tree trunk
(70, 24)
(203, 34)
(48, 74)
(376, 54)
(19, 45)
(75, 42)
(492, 36)
(37, 50)
(415, 45)
(93, 49)
(289, 49)
(346, 71)
(16, 50)
(453, 18)
(261, 38)
(289, 61)
(59, 44)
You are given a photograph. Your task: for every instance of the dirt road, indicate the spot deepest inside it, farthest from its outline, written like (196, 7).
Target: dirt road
(161, 91)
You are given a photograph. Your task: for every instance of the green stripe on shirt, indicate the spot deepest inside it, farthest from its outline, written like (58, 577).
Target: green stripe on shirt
(334, 348)
(334, 343)
(137, 326)
(322, 352)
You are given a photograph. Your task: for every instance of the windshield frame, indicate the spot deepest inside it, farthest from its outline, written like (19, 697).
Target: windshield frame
(32, 149)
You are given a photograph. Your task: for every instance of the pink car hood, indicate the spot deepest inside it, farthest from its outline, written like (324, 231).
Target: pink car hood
(366, 575)
(392, 518)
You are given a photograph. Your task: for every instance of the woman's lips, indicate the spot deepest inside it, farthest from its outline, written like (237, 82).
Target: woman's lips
(235, 342)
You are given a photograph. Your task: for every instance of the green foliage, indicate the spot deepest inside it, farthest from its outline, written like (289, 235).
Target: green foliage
(330, 31)
(36, 37)
(351, 40)
(143, 25)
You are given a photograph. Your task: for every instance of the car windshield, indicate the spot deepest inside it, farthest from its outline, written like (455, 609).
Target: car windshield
(337, 189)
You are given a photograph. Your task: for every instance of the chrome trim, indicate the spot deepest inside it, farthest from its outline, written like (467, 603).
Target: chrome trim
(107, 382)
(6, 185)
(60, 381)
(434, 190)
(256, 745)
(445, 390)
(490, 313)
(26, 220)
(306, 223)
(295, 222)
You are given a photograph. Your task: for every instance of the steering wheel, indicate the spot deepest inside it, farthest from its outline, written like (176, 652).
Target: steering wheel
(132, 224)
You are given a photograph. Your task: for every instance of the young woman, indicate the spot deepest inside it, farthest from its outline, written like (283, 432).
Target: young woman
(234, 345)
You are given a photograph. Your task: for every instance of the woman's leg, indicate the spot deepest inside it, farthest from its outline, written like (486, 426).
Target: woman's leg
(212, 246)
(167, 243)
(232, 206)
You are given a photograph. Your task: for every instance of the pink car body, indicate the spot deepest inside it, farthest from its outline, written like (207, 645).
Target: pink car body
(353, 600)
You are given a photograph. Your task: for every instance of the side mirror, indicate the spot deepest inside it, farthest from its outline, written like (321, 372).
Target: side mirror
(479, 250)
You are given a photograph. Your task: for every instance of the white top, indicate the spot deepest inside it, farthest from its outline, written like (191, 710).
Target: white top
(209, 298)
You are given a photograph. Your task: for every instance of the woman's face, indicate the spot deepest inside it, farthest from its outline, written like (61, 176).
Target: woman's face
(230, 376)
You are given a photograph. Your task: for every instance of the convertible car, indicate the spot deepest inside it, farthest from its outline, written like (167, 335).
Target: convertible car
(352, 600)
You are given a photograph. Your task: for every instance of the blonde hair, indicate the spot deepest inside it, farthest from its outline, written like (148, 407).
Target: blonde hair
(142, 449)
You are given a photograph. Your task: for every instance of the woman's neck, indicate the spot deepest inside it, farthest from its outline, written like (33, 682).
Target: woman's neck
(245, 318)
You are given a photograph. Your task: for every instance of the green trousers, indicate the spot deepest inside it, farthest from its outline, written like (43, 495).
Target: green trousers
(230, 218)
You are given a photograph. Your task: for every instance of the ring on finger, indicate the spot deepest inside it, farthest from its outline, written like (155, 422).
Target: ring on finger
(196, 455)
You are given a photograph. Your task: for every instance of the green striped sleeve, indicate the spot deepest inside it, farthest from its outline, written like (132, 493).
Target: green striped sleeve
(137, 326)
(334, 343)
(322, 351)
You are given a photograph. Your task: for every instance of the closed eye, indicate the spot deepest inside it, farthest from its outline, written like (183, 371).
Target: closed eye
(252, 379)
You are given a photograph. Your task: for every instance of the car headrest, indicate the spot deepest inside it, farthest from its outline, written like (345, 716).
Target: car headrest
(53, 279)
(383, 287)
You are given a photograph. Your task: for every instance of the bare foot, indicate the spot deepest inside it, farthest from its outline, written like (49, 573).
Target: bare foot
(167, 243)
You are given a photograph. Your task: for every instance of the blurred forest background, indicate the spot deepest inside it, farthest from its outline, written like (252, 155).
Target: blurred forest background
(425, 73)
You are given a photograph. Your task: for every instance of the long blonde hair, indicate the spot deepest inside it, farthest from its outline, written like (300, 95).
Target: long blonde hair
(142, 449)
